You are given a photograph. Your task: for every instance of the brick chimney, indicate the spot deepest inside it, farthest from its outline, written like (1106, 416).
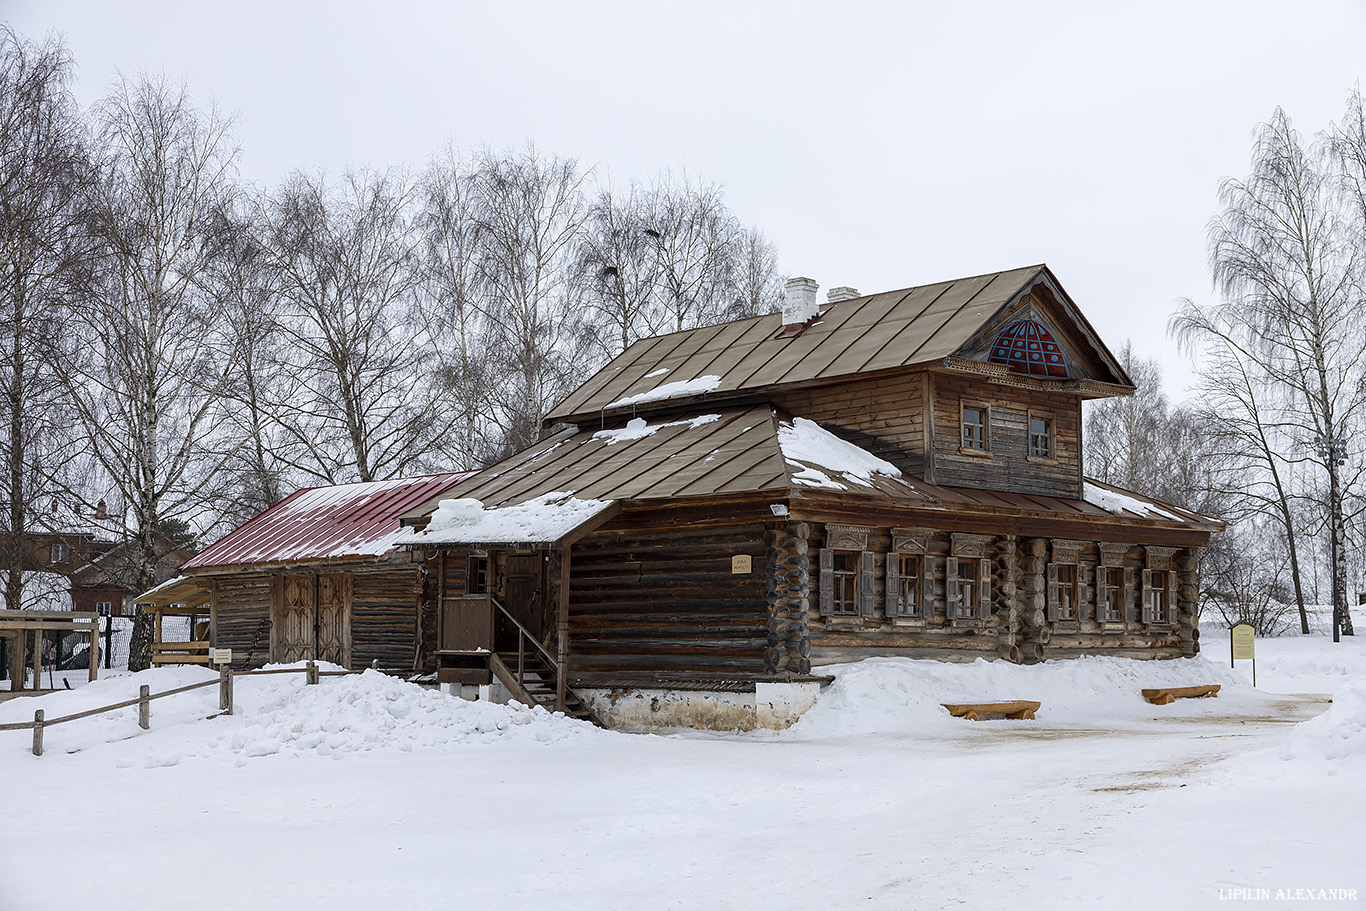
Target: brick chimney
(101, 510)
(842, 293)
(799, 305)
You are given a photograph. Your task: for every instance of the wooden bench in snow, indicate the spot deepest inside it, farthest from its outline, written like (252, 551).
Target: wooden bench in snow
(1168, 695)
(974, 711)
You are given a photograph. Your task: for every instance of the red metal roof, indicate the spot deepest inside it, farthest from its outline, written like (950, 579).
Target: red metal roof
(326, 523)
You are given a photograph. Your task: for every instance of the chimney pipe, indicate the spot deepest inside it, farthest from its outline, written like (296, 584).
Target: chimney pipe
(799, 302)
(842, 293)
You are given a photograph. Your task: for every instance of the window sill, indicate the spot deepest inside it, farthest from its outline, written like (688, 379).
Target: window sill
(1040, 460)
(910, 622)
(1066, 626)
(1163, 627)
(1113, 626)
(967, 623)
(974, 453)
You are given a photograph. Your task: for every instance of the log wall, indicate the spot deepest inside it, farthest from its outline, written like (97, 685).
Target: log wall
(1018, 628)
(660, 601)
(384, 613)
(241, 617)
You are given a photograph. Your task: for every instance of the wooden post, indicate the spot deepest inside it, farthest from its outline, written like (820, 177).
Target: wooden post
(311, 674)
(225, 689)
(562, 633)
(38, 733)
(37, 660)
(144, 707)
(521, 657)
(94, 653)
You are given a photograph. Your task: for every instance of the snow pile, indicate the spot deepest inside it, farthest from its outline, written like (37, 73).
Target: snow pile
(639, 428)
(669, 391)
(1116, 502)
(468, 521)
(881, 695)
(806, 444)
(1338, 735)
(371, 711)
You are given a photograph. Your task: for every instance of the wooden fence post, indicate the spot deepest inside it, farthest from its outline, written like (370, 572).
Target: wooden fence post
(225, 689)
(144, 707)
(311, 674)
(38, 733)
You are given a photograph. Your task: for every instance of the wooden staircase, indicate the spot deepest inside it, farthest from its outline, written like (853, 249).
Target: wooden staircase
(531, 680)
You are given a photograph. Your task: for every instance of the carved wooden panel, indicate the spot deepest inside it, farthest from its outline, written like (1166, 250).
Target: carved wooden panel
(334, 618)
(1112, 554)
(294, 635)
(911, 540)
(846, 537)
(1159, 557)
(965, 545)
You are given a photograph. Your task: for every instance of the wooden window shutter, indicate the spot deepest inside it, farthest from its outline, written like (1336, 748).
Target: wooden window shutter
(1126, 597)
(926, 606)
(827, 582)
(952, 590)
(1147, 596)
(867, 590)
(1052, 576)
(984, 588)
(892, 599)
(1171, 596)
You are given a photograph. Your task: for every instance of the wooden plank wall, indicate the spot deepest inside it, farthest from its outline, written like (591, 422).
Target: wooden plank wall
(243, 608)
(1008, 467)
(890, 408)
(661, 601)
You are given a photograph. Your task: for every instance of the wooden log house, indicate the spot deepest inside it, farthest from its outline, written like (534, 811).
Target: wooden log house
(729, 508)
(316, 576)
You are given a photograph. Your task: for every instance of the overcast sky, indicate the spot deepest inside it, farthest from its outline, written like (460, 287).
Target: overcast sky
(879, 145)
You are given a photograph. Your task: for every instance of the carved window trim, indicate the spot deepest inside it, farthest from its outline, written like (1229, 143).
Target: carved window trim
(846, 537)
(911, 540)
(1159, 586)
(1113, 555)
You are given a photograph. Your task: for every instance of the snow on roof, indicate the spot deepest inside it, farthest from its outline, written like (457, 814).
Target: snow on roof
(806, 444)
(322, 523)
(1118, 502)
(639, 428)
(669, 390)
(108, 530)
(542, 520)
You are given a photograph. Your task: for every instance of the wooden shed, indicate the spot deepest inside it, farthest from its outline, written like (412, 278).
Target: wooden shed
(319, 576)
(729, 508)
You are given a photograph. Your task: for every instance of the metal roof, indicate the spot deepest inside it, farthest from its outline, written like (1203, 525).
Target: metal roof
(347, 521)
(741, 449)
(902, 328)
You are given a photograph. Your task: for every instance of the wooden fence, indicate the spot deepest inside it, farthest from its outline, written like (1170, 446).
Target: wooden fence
(311, 673)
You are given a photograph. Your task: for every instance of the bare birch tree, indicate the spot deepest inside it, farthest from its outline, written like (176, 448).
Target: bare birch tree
(531, 211)
(361, 406)
(155, 358)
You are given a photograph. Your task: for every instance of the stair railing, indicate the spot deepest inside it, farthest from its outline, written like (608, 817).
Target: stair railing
(523, 637)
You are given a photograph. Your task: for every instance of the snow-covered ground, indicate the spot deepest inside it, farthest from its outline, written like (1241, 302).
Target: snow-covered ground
(365, 792)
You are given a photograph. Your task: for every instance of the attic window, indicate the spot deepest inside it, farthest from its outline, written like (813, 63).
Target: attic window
(1026, 347)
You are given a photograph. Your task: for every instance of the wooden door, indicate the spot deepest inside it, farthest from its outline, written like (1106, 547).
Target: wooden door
(334, 618)
(523, 591)
(292, 628)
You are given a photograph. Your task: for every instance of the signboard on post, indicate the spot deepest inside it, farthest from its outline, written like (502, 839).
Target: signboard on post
(220, 655)
(1242, 644)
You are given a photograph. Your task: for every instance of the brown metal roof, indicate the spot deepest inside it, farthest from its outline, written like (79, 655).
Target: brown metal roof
(326, 523)
(749, 449)
(902, 328)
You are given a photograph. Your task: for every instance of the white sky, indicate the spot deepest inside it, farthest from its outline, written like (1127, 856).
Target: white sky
(879, 145)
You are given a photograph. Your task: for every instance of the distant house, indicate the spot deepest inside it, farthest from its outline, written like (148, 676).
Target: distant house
(74, 547)
(318, 575)
(729, 508)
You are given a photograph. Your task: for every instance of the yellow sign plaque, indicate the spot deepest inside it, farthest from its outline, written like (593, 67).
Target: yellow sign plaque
(741, 565)
(1243, 639)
